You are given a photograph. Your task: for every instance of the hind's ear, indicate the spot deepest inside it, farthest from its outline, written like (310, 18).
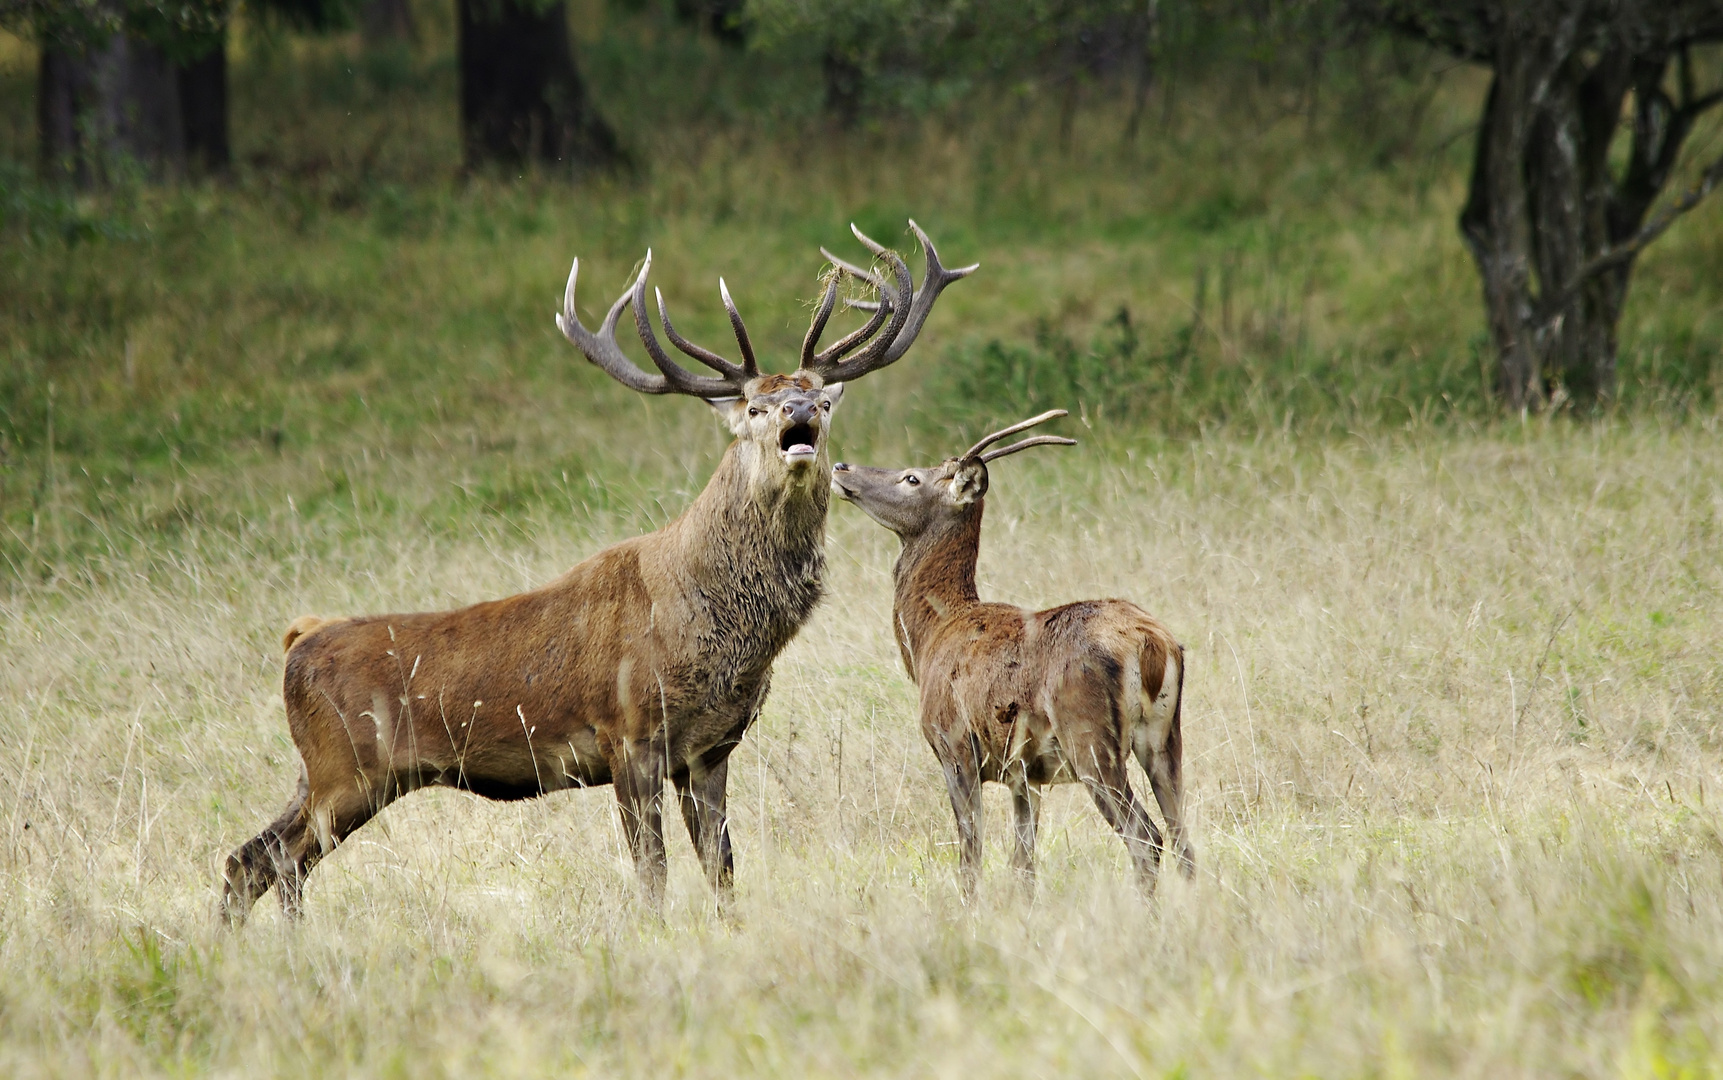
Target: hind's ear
(731, 412)
(968, 483)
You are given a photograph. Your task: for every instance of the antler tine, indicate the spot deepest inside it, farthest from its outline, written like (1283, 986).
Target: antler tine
(1023, 425)
(905, 289)
(1036, 440)
(749, 365)
(601, 348)
(907, 322)
(893, 302)
(818, 326)
(705, 356)
(680, 379)
(849, 342)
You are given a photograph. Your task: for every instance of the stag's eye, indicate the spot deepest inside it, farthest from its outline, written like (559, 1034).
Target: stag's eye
(753, 412)
(826, 405)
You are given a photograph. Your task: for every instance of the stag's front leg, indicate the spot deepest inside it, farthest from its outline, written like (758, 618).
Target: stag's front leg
(639, 782)
(1025, 808)
(702, 790)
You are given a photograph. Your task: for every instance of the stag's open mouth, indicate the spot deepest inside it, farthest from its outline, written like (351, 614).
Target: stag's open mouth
(797, 442)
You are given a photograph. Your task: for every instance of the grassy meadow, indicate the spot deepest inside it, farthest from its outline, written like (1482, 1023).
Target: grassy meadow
(1453, 711)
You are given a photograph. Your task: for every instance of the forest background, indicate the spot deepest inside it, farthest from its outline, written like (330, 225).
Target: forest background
(1453, 724)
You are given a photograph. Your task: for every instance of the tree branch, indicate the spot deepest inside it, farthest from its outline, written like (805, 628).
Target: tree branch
(1657, 226)
(1694, 108)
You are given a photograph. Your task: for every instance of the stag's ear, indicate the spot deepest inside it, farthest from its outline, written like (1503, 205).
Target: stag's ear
(731, 412)
(835, 394)
(968, 483)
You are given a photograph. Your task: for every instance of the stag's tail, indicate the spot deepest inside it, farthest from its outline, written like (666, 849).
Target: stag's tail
(300, 627)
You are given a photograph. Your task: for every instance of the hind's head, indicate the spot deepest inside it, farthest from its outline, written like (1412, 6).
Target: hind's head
(911, 501)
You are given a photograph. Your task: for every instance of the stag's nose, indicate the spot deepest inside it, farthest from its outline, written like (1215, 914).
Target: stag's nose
(801, 412)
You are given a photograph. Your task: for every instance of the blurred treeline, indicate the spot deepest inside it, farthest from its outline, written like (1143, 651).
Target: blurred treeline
(1193, 213)
(655, 70)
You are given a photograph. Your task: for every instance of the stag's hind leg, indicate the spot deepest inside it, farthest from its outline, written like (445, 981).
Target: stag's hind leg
(257, 864)
(1164, 765)
(1165, 769)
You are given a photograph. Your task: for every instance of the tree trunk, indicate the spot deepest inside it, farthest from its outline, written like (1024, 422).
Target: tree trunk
(521, 97)
(387, 22)
(203, 110)
(63, 94)
(109, 108)
(1550, 225)
(845, 85)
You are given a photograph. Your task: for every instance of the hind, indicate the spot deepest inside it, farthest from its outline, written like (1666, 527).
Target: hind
(1158, 742)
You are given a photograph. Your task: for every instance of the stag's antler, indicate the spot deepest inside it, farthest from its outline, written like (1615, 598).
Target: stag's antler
(601, 347)
(1038, 440)
(906, 309)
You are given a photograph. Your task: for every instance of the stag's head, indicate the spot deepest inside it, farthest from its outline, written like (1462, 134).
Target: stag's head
(781, 422)
(909, 502)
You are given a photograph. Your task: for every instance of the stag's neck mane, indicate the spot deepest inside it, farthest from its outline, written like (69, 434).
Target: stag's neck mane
(744, 508)
(935, 579)
(754, 550)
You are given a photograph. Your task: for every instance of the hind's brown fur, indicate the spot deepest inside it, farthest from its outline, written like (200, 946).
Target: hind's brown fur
(1025, 698)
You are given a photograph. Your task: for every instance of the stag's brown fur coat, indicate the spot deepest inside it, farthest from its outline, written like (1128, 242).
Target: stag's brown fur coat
(648, 660)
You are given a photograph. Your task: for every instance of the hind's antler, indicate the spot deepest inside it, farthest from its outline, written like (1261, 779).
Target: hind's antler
(1038, 440)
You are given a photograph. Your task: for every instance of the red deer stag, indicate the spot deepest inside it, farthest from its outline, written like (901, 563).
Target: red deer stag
(647, 660)
(1018, 697)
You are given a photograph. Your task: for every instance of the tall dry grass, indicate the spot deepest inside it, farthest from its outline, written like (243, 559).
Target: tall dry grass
(1452, 733)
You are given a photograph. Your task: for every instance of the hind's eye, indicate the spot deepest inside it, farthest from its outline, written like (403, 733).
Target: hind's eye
(912, 480)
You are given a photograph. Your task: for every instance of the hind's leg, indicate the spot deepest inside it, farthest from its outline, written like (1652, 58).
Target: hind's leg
(638, 776)
(959, 755)
(1093, 738)
(257, 864)
(1164, 770)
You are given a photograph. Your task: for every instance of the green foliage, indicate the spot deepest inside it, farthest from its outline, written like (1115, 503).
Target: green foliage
(349, 279)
